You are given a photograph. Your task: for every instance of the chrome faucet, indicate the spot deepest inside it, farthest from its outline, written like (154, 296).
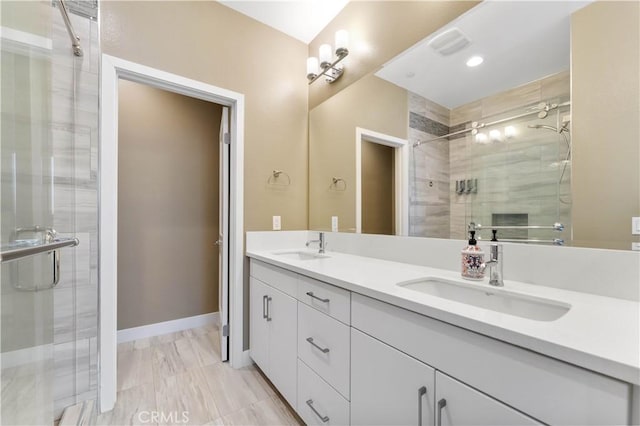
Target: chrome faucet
(495, 265)
(322, 244)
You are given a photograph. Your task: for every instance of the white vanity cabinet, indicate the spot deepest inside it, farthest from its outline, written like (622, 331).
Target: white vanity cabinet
(458, 404)
(273, 333)
(387, 386)
(344, 358)
(548, 390)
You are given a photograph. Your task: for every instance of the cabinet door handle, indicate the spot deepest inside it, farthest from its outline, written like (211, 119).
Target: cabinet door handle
(310, 294)
(441, 404)
(269, 309)
(323, 350)
(421, 392)
(264, 307)
(320, 416)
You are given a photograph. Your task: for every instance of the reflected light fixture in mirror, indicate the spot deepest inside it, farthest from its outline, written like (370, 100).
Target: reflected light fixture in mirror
(329, 65)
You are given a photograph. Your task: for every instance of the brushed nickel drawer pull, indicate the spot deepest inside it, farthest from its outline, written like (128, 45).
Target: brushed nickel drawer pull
(441, 404)
(324, 350)
(264, 307)
(421, 392)
(310, 294)
(269, 299)
(320, 416)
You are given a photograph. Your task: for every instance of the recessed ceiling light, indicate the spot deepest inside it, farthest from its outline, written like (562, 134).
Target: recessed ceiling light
(474, 61)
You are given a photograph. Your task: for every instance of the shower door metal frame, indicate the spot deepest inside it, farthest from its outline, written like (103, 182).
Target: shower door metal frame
(112, 69)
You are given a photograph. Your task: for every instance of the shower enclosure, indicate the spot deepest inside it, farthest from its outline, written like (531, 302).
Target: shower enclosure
(48, 200)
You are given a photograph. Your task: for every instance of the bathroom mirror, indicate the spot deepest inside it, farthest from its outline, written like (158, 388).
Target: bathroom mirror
(495, 121)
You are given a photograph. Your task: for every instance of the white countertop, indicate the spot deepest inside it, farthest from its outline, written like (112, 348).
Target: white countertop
(598, 333)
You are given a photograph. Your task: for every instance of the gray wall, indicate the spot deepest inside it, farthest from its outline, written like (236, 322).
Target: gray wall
(167, 205)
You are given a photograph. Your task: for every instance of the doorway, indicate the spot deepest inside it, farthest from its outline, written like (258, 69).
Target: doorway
(378, 189)
(169, 168)
(114, 69)
(382, 193)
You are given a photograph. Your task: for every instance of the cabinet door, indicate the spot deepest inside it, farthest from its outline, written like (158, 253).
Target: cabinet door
(283, 331)
(258, 325)
(387, 386)
(458, 404)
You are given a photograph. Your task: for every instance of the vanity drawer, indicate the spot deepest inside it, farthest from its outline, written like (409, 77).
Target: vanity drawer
(324, 345)
(549, 390)
(331, 300)
(281, 279)
(330, 407)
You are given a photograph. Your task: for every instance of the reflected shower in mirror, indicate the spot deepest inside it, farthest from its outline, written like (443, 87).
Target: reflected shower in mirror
(493, 163)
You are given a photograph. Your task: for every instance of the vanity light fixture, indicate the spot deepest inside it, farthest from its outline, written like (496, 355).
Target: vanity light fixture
(474, 61)
(329, 65)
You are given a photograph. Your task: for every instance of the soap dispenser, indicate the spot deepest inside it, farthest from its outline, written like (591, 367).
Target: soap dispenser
(472, 260)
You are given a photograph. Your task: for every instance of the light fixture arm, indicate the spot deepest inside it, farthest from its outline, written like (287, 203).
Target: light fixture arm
(331, 71)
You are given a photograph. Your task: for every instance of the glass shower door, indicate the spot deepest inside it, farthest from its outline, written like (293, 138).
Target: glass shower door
(26, 214)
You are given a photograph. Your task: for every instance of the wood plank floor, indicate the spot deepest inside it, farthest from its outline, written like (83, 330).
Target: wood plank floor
(179, 379)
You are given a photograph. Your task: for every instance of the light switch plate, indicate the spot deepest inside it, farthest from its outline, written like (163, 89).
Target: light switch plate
(334, 223)
(635, 246)
(635, 225)
(277, 223)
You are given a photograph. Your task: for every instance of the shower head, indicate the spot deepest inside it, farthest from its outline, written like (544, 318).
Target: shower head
(564, 127)
(543, 126)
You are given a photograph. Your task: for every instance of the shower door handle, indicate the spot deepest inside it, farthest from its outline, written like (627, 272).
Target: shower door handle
(21, 249)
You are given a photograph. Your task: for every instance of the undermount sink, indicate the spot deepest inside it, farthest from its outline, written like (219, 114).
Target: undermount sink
(300, 255)
(498, 300)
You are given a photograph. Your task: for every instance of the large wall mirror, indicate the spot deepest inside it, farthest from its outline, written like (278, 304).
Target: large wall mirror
(516, 116)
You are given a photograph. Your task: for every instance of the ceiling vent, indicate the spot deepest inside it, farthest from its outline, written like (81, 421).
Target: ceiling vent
(449, 42)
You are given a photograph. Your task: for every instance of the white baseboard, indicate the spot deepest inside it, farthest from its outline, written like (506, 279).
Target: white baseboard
(172, 326)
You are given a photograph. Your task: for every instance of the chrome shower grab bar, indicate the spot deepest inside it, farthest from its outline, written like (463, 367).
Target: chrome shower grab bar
(555, 241)
(75, 40)
(25, 250)
(477, 227)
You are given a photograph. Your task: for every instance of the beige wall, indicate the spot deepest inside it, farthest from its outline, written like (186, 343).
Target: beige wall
(605, 123)
(378, 31)
(373, 104)
(207, 41)
(378, 203)
(168, 165)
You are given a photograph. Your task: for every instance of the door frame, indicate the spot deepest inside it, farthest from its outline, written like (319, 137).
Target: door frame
(401, 166)
(112, 69)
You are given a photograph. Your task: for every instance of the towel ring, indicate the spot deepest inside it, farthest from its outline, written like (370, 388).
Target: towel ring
(275, 177)
(335, 184)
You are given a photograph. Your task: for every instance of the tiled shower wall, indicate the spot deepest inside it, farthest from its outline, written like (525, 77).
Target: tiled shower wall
(517, 177)
(429, 198)
(75, 150)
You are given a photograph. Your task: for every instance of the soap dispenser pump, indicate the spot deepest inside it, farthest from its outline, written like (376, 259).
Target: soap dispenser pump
(472, 260)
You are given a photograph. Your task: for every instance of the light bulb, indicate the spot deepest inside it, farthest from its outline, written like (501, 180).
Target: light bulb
(481, 138)
(342, 42)
(495, 135)
(325, 55)
(509, 131)
(312, 67)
